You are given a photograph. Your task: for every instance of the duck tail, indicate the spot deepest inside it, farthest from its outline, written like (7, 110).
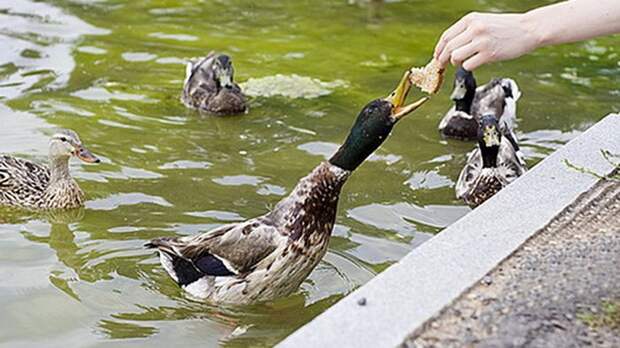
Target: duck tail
(165, 245)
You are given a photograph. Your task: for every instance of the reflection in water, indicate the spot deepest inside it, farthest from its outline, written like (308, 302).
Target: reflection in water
(113, 71)
(35, 49)
(406, 218)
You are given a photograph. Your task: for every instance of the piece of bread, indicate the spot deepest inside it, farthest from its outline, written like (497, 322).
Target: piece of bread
(428, 78)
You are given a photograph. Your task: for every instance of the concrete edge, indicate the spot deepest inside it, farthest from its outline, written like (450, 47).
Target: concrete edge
(417, 288)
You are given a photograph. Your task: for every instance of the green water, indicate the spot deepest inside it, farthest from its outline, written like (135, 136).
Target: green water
(113, 70)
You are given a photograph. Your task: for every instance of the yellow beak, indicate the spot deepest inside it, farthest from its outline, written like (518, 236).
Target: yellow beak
(397, 99)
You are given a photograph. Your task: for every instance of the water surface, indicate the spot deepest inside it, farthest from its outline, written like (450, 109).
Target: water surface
(112, 71)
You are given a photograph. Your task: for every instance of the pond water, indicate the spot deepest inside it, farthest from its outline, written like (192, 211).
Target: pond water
(113, 70)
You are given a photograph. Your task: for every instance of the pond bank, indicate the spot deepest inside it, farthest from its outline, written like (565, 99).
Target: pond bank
(561, 289)
(405, 297)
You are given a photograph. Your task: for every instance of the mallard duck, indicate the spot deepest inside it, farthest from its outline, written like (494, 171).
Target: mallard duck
(498, 97)
(30, 185)
(209, 86)
(490, 167)
(270, 256)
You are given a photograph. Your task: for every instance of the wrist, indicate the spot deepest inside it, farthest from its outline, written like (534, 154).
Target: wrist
(539, 34)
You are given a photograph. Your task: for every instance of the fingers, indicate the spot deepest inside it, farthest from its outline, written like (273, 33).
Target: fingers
(475, 61)
(461, 54)
(456, 43)
(449, 34)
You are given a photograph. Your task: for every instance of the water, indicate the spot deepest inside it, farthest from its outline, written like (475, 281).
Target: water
(112, 71)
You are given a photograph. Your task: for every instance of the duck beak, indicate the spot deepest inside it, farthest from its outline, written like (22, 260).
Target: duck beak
(86, 156)
(397, 99)
(490, 136)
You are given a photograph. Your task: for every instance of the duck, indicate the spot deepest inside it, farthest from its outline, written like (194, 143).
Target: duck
(30, 185)
(269, 256)
(498, 97)
(209, 86)
(490, 167)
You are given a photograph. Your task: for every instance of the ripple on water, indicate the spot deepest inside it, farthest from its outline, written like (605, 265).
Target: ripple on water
(126, 173)
(92, 50)
(121, 199)
(377, 250)
(102, 94)
(186, 164)
(268, 189)
(138, 56)
(17, 126)
(406, 218)
(177, 37)
(216, 214)
(337, 274)
(428, 179)
(540, 143)
(27, 26)
(238, 180)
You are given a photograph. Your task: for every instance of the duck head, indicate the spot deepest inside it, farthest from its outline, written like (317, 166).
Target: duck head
(66, 143)
(223, 71)
(373, 125)
(489, 140)
(464, 89)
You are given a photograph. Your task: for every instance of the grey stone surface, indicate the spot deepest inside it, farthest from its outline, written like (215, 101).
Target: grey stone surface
(409, 293)
(560, 289)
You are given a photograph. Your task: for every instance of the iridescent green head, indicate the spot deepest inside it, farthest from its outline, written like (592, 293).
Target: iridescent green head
(373, 125)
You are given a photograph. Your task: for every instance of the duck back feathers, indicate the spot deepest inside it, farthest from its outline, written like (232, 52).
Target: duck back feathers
(203, 91)
(264, 257)
(477, 184)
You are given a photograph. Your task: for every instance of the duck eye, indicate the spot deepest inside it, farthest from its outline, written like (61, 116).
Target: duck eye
(63, 139)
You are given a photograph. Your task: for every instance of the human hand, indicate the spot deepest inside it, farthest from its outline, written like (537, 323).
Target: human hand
(480, 38)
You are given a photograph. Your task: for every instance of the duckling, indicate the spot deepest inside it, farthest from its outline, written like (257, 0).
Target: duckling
(270, 256)
(209, 86)
(34, 186)
(490, 167)
(498, 97)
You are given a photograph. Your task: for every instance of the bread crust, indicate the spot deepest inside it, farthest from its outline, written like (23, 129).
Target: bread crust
(428, 78)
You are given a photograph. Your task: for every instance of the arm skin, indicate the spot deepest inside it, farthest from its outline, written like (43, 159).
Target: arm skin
(480, 38)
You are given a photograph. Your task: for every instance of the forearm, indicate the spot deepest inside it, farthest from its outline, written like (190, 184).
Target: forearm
(573, 20)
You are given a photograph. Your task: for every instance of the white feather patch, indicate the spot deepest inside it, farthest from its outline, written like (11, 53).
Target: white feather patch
(167, 263)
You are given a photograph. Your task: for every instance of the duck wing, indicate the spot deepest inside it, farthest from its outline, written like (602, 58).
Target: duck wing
(21, 179)
(469, 174)
(199, 81)
(498, 97)
(458, 124)
(510, 161)
(229, 250)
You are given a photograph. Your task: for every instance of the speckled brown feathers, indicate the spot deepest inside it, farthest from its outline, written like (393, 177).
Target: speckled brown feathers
(203, 89)
(26, 184)
(477, 184)
(265, 257)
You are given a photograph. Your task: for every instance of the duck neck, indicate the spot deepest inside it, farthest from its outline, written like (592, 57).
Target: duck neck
(360, 144)
(59, 169)
(489, 155)
(464, 104)
(311, 207)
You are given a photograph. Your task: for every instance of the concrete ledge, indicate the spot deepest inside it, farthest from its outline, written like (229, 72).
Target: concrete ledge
(409, 293)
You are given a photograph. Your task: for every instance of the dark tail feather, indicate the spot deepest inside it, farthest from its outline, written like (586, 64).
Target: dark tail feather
(163, 242)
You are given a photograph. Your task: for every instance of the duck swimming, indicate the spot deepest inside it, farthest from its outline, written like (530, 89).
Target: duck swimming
(30, 185)
(209, 86)
(498, 97)
(490, 167)
(270, 256)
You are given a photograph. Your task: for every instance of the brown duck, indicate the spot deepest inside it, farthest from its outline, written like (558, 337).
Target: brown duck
(271, 255)
(210, 87)
(35, 186)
